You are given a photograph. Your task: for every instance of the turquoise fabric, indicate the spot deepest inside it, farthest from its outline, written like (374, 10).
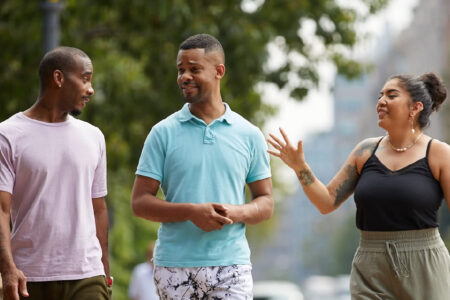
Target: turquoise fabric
(199, 163)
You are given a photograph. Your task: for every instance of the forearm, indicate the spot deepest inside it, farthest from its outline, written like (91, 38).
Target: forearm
(102, 224)
(6, 258)
(155, 209)
(254, 212)
(315, 190)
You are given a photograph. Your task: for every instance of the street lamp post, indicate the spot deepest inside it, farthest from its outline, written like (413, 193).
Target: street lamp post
(51, 28)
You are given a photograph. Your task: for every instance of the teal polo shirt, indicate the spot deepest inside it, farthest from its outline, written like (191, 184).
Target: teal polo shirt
(199, 163)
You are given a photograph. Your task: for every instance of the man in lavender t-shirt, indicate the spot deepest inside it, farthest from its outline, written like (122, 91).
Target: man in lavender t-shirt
(52, 189)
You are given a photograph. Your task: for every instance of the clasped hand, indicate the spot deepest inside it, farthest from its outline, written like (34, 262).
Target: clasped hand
(210, 216)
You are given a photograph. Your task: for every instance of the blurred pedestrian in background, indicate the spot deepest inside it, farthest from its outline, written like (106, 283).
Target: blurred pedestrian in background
(142, 285)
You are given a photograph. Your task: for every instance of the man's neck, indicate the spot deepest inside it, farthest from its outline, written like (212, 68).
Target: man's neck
(208, 111)
(45, 111)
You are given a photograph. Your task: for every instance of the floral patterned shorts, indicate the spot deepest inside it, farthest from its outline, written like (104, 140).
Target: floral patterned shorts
(209, 283)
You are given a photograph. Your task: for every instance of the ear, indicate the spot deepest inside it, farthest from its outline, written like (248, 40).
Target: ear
(58, 78)
(416, 107)
(220, 71)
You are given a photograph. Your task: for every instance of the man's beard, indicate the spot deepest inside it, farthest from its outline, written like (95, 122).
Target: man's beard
(75, 113)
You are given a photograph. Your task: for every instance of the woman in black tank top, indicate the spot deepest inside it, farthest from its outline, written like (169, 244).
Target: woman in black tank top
(398, 182)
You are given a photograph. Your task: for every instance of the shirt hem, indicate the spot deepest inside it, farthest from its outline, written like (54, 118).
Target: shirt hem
(195, 264)
(149, 174)
(100, 195)
(65, 277)
(258, 177)
(6, 189)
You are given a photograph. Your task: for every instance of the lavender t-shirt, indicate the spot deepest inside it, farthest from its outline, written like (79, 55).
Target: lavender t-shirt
(53, 170)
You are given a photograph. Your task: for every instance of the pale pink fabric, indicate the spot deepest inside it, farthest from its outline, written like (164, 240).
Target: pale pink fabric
(53, 170)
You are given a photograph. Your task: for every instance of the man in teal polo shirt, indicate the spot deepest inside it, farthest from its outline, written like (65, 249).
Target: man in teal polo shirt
(202, 157)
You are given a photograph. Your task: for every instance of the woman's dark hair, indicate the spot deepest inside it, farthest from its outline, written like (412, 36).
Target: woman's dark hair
(427, 89)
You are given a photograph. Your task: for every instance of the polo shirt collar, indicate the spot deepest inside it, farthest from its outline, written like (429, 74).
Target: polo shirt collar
(186, 115)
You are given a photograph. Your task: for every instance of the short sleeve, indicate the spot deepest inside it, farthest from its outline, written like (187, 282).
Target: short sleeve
(151, 162)
(99, 185)
(260, 163)
(7, 172)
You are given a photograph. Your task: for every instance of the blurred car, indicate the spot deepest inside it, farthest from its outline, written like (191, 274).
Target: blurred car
(327, 287)
(276, 290)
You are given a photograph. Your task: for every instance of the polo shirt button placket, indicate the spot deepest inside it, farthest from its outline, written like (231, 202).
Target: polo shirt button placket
(208, 137)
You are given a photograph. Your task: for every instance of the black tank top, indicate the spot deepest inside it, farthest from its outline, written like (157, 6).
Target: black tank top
(406, 199)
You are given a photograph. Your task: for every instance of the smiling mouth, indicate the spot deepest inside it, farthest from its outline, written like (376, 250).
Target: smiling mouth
(381, 113)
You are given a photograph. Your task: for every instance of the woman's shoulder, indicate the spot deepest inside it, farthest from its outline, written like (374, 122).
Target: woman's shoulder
(366, 146)
(439, 149)
(439, 158)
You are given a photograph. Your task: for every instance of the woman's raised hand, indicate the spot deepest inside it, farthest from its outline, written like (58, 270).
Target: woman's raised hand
(289, 154)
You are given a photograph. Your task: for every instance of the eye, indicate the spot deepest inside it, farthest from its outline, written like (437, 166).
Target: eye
(392, 96)
(180, 71)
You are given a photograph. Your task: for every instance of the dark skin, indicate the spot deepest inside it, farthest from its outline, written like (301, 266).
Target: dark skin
(13, 279)
(199, 76)
(66, 93)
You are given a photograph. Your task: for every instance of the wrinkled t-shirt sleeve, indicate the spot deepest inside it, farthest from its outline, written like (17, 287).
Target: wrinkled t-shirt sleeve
(7, 173)
(260, 163)
(99, 185)
(151, 162)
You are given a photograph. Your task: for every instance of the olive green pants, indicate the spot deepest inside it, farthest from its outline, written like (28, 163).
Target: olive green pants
(94, 288)
(401, 265)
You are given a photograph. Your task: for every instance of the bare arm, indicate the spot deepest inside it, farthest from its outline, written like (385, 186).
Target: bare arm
(258, 210)
(101, 224)
(325, 198)
(13, 279)
(145, 204)
(439, 159)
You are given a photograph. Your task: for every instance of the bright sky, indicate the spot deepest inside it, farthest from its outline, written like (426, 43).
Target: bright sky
(315, 113)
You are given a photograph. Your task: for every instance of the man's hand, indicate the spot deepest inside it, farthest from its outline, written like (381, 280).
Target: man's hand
(206, 217)
(232, 212)
(13, 283)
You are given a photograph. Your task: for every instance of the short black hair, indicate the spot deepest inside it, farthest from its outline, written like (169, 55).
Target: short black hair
(203, 41)
(60, 58)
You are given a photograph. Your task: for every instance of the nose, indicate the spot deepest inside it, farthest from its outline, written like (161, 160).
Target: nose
(381, 101)
(90, 91)
(186, 76)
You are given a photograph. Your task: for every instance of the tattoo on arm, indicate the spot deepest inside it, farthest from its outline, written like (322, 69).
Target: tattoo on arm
(306, 177)
(366, 146)
(347, 186)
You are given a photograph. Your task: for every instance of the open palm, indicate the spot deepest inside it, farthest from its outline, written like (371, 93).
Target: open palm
(289, 154)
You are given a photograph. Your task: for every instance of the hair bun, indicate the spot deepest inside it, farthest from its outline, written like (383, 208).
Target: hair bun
(436, 89)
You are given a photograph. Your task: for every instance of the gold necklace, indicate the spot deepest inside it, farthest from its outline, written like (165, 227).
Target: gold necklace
(404, 148)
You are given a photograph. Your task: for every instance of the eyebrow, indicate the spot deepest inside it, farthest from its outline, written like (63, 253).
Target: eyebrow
(192, 62)
(390, 90)
(87, 73)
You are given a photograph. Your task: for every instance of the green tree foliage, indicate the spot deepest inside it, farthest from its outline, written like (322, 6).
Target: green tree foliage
(133, 45)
